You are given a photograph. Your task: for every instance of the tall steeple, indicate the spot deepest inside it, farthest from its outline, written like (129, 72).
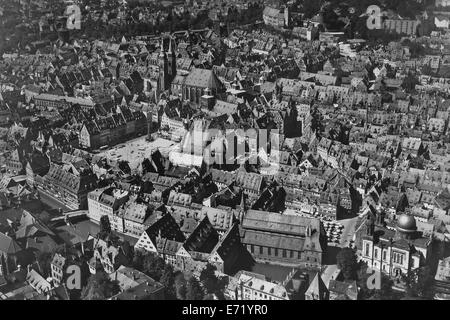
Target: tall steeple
(162, 53)
(170, 46)
(241, 208)
(162, 63)
(172, 63)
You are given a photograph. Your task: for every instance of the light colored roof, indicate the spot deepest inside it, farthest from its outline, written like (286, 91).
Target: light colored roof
(263, 286)
(8, 245)
(276, 222)
(317, 287)
(220, 219)
(272, 12)
(72, 100)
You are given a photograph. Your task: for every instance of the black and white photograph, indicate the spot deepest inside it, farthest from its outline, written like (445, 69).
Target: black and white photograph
(236, 151)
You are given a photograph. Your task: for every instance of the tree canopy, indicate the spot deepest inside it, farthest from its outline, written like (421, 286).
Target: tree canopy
(180, 287)
(100, 287)
(346, 261)
(420, 283)
(193, 289)
(105, 227)
(209, 279)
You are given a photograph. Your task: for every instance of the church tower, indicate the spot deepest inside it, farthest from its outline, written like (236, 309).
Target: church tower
(163, 66)
(172, 63)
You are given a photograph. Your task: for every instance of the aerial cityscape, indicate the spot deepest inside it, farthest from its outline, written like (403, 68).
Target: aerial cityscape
(224, 150)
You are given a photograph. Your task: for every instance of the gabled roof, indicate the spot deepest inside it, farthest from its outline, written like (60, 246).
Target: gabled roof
(317, 289)
(8, 245)
(203, 78)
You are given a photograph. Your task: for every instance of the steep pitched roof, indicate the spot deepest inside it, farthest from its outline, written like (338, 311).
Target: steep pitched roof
(317, 289)
(8, 245)
(203, 78)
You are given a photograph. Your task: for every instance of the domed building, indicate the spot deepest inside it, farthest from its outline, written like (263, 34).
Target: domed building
(406, 225)
(392, 247)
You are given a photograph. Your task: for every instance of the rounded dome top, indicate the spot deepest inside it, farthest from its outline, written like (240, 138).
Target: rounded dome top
(406, 223)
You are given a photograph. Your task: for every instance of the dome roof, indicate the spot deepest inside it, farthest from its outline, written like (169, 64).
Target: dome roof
(406, 223)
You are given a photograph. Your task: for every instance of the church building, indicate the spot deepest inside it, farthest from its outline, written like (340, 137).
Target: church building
(167, 66)
(394, 250)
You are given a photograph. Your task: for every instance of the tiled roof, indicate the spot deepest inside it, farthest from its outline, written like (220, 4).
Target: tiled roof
(8, 245)
(276, 222)
(203, 78)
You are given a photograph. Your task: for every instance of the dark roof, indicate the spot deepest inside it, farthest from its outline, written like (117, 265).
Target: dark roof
(203, 78)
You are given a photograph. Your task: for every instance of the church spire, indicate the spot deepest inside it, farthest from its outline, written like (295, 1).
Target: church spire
(172, 63)
(170, 46)
(161, 52)
(163, 68)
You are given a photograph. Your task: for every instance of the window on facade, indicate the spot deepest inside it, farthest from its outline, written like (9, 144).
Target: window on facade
(269, 251)
(384, 255)
(260, 250)
(276, 251)
(252, 249)
(367, 249)
(284, 253)
(375, 253)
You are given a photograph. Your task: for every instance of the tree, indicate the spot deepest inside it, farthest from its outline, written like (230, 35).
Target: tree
(105, 227)
(409, 83)
(138, 260)
(310, 8)
(420, 283)
(209, 279)
(168, 280)
(44, 259)
(153, 266)
(346, 261)
(180, 287)
(193, 289)
(100, 287)
(146, 187)
(128, 252)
